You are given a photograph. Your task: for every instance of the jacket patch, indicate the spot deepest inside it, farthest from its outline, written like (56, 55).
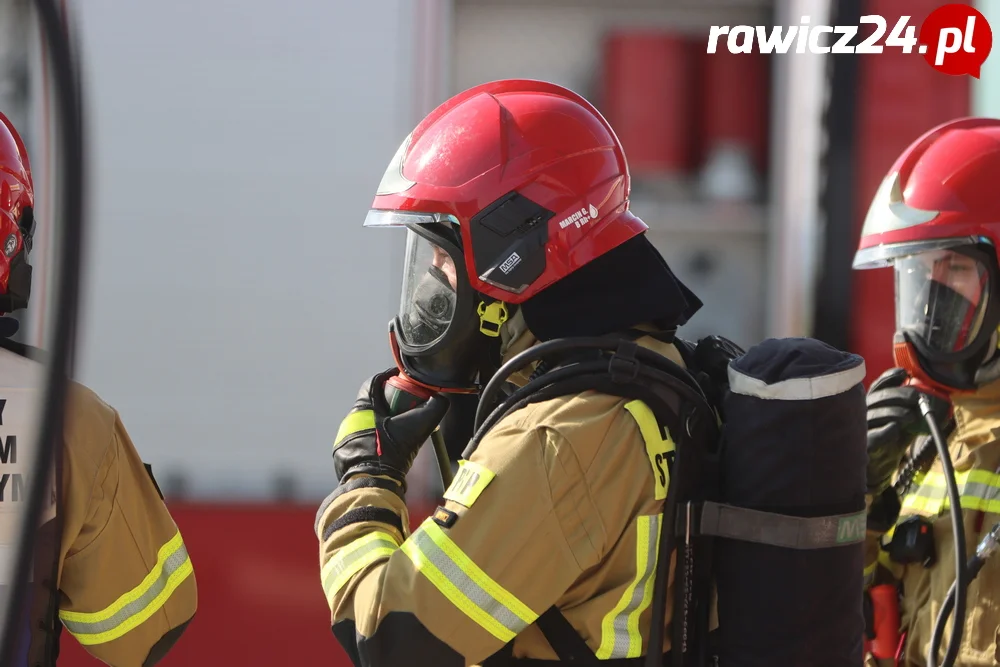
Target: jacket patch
(471, 480)
(444, 517)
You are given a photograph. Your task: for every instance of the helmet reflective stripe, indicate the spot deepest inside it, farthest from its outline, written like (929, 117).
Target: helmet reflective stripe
(393, 182)
(889, 212)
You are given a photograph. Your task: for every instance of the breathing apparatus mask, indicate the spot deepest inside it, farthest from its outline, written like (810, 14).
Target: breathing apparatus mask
(445, 336)
(14, 262)
(946, 318)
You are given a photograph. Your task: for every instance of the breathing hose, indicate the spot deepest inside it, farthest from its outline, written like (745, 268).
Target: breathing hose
(956, 598)
(58, 47)
(567, 345)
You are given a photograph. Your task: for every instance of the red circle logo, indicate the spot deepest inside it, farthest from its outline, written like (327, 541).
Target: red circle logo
(956, 39)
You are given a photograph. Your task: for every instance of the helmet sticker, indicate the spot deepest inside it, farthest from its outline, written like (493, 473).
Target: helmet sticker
(580, 218)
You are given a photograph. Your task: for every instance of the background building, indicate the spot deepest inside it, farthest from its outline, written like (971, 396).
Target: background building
(233, 303)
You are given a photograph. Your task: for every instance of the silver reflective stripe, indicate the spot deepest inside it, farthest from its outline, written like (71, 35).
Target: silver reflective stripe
(469, 588)
(170, 565)
(969, 489)
(620, 634)
(978, 489)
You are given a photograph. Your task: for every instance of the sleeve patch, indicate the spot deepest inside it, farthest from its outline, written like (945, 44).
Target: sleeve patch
(471, 480)
(444, 517)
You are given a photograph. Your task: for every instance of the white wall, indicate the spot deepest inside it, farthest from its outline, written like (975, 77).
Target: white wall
(986, 89)
(233, 302)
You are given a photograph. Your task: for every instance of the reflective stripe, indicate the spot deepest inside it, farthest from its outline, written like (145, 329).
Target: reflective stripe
(353, 558)
(979, 490)
(658, 448)
(172, 567)
(465, 585)
(620, 635)
(361, 420)
(800, 388)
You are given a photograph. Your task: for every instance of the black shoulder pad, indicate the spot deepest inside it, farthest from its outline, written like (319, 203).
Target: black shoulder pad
(686, 349)
(712, 356)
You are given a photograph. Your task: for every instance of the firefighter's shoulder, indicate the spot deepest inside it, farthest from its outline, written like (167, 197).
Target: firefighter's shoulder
(587, 450)
(89, 423)
(590, 423)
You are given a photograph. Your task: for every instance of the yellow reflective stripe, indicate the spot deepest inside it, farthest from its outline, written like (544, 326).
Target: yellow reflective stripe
(173, 566)
(362, 420)
(353, 558)
(657, 447)
(620, 635)
(978, 489)
(465, 585)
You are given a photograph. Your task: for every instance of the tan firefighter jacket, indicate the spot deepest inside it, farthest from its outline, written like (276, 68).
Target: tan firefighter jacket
(975, 450)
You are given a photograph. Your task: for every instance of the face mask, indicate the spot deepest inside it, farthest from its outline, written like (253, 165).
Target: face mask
(18, 285)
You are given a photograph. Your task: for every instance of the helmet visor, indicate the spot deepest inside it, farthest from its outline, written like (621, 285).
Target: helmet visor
(941, 297)
(429, 296)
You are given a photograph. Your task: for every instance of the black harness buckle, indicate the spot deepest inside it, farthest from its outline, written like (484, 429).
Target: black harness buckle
(623, 366)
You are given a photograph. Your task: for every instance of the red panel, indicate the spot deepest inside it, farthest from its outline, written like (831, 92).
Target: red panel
(260, 601)
(648, 87)
(901, 97)
(736, 99)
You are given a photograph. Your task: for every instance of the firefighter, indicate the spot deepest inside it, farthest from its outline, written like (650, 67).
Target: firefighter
(110, 565)
(936, 221)
(515, 198)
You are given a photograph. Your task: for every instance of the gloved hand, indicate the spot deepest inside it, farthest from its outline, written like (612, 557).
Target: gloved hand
(883, 512)
(894, 420)
(374, 442)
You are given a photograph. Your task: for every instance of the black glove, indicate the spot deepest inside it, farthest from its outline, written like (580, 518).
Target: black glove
(390, 447)
(884, 511)
(894, 420)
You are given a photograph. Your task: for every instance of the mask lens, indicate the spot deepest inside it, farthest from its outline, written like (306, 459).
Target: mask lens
(941, 297)
(429, 296)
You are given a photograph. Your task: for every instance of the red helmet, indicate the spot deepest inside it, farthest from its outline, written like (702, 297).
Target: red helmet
(505, 189)
(17, 201)
(936, 220)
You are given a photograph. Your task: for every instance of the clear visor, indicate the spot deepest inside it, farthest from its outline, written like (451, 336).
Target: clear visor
(941, 297)
(429, 296)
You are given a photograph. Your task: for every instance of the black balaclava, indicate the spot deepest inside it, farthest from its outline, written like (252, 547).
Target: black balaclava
(629, 286)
